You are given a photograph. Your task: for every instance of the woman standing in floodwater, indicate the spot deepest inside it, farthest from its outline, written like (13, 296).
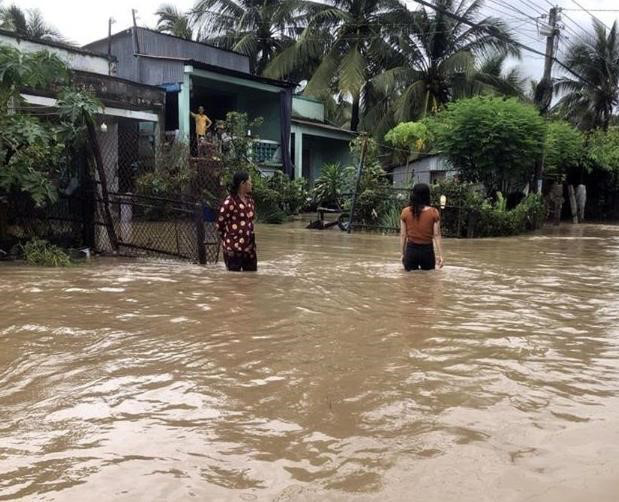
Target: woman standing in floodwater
(236, 226)
(420, 230)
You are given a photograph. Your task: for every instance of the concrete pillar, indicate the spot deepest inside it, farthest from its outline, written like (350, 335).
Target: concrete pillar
(184, 106)
(298, 153)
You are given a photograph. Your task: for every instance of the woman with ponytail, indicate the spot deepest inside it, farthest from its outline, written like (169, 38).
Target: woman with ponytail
(236, 226)
(420, 230)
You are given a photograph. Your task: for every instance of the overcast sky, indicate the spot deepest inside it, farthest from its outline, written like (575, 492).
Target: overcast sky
(84, 21)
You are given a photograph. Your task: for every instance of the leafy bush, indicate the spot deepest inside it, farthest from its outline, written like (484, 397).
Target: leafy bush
(564, 147)
(603, 150)
(292, 193)
(33, 151)
(330, 186)
(492, 140)
(42, 253)
(458, 193)
(374, 187)
(494, 221)
(277, 196)
(171, 174)
(469, 212)
(390, 218)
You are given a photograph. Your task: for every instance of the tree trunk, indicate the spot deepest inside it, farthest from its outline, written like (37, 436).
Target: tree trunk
(354, 119)
(573, 208)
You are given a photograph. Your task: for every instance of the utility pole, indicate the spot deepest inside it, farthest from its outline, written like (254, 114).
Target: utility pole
(136, 46)
(110, 63)
(364, 147)
(543, 91)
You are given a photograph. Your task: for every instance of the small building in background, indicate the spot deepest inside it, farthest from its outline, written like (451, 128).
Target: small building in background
(428, 169)
(314, 141)
(132, 112)
(294, 136)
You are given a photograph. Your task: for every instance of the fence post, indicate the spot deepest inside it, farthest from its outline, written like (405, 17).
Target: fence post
(359, 174)
(200, 235)
(107, 215)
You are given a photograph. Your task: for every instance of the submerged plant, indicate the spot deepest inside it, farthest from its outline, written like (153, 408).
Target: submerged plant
(42, 253)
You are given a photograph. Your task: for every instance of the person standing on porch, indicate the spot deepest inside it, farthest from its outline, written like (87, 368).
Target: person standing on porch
(203, 123)
(236, 226)
(420, 231)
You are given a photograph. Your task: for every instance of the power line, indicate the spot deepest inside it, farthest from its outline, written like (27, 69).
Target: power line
(593, 16)
(577, 25)
(515, 9)
(591, 10)
(534, 6)
(501, 37)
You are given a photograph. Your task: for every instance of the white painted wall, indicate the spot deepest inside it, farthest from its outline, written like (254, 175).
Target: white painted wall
(74, 60)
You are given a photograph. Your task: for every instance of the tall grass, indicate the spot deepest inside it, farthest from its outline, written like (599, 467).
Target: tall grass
(42, 253)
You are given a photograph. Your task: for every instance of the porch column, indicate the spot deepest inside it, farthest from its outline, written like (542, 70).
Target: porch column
(184, 105)
(298, 153)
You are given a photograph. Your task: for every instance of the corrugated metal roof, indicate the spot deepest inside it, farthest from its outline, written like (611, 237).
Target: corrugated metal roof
(127, 33)
(323, 125)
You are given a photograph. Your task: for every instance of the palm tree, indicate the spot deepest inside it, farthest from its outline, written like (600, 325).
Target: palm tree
(491, 77)
(29, 24)
(440, 58)
(174, 22)
(345, 42)
(590, 99)
(258, 28)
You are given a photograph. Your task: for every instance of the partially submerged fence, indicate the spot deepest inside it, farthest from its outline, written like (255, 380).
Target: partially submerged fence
(157, 199)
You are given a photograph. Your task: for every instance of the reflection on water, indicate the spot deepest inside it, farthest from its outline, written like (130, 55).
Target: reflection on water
(329, 375)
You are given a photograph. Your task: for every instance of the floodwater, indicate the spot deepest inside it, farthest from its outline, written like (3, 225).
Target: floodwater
(330, 375)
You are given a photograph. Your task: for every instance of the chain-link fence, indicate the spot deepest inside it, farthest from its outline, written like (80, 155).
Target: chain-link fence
(144, 225)
(64, 222)
(380, 211)
(132, 194)
(161, 195)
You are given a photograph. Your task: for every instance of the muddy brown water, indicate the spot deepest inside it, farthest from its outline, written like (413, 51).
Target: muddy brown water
(329, 375)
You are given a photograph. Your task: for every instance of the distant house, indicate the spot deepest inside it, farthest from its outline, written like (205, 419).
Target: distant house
(132, 112)
(197, 74)
(428, 169)
(314, 141)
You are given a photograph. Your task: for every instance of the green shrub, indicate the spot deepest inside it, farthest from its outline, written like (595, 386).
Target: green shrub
(277, 197)
(333, 182)
(458, 193)
(492, 140)
(42, 253)
(468, 212)
(390, 218)
(494, 221)
(171, 174)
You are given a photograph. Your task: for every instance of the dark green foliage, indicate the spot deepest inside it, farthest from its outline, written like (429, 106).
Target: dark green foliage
(469, 212)
(42, 253)
(277, 197)
(495, 222)
(34, 151)
(492, 140)
(334, 181)
(171, 174)
(589, 101)
(564, 148)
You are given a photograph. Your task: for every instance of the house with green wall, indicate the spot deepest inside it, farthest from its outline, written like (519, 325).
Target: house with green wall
(294, 135)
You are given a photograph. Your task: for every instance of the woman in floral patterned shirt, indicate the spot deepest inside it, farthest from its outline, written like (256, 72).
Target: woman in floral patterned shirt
(236, 226)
